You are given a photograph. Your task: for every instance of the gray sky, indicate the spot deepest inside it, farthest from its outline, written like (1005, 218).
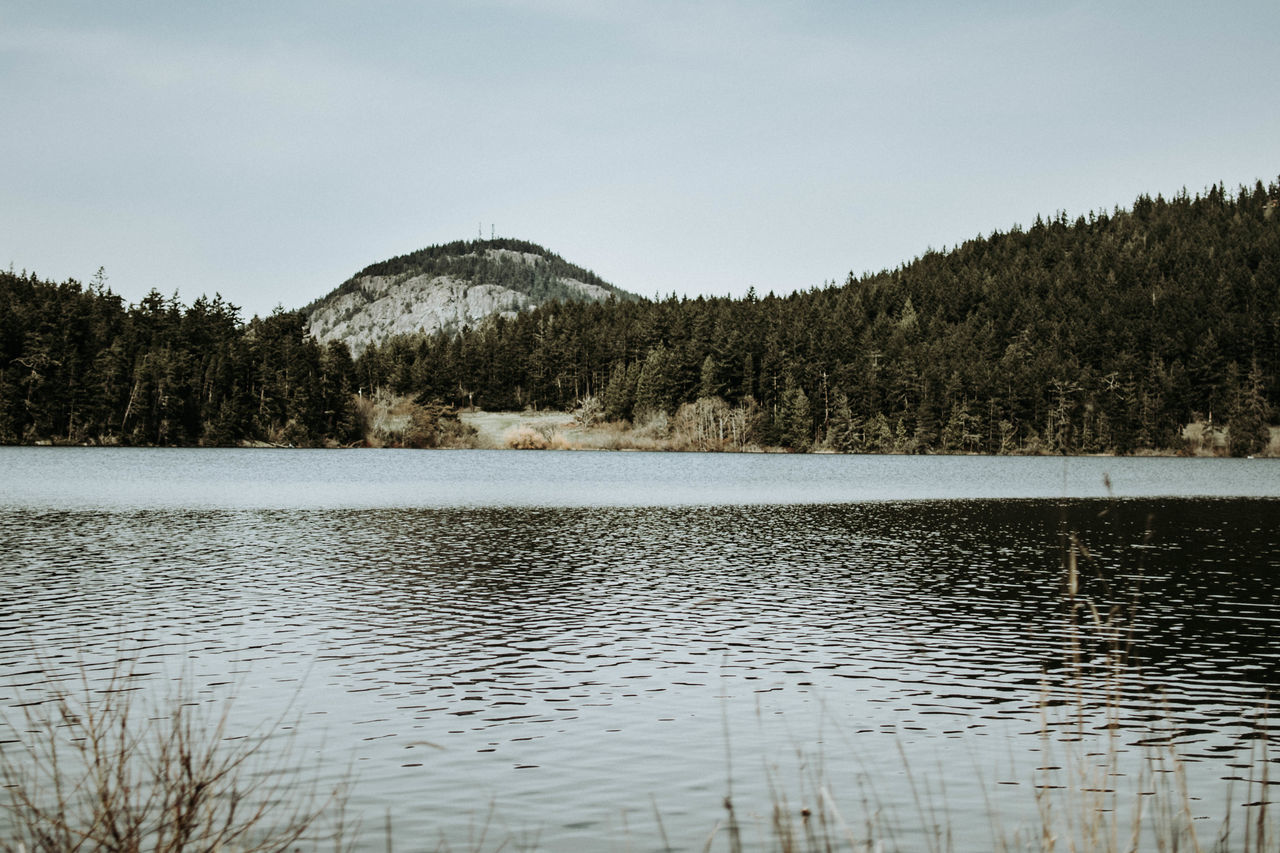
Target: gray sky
(268, 150)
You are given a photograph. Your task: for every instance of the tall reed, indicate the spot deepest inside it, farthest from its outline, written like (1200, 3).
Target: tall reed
(95, 766)
(1095, 790)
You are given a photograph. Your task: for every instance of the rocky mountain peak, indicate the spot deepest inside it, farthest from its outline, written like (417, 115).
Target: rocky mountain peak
(445, 287)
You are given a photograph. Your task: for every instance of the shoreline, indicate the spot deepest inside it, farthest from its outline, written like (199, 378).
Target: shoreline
(396, 423)
(1143, 453)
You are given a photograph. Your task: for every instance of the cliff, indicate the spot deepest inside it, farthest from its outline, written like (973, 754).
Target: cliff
(447, 287)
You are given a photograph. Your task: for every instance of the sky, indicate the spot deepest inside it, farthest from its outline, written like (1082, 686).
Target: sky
(267, 151)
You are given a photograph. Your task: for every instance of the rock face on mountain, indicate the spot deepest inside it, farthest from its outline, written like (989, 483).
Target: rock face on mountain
(443, 288)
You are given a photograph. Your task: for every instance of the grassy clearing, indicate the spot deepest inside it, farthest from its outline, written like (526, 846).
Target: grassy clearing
(688, 430)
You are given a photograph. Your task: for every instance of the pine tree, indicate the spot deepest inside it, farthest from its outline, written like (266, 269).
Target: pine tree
(796, 418)
(1247, 430)
(709, 384)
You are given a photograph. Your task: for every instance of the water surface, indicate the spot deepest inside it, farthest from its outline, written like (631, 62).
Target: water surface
(137, 478)
(578, 640)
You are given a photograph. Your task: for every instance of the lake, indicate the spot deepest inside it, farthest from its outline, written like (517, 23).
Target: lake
(589, 651)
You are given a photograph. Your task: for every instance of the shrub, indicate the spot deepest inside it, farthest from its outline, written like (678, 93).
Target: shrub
(589, 411)
(524, 437)
(91, 770)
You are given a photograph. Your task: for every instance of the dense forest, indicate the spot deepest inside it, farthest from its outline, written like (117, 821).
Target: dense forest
(77, 366)
(1106, 333)
(1103, 334)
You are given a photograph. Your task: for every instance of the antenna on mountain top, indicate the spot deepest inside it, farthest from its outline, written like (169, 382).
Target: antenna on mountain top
(490, 230)
(479, 230)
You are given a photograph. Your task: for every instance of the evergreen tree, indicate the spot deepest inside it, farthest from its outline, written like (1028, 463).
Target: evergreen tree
(709, 384)
(1247, 428)
(796, 418)
(619, 394)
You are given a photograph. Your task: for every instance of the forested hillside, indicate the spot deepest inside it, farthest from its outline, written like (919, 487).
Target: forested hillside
(78, 366)
(1108, 332)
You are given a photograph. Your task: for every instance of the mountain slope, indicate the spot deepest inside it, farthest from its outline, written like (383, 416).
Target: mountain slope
(1107, 333)
(444, 288)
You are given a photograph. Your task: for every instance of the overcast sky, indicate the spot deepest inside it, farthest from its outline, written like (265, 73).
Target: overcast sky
(268, 150)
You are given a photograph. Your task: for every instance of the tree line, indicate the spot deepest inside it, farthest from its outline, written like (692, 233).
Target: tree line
(79, 366)
(1106, 333)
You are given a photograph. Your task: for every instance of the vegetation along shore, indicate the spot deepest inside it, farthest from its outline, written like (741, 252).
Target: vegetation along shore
(1149, 329)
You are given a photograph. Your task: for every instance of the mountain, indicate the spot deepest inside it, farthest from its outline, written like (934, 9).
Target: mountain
(1153, 327)
(444, 288)
(1110, 332)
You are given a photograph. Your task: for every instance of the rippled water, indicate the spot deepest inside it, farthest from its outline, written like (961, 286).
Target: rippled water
(562, 645)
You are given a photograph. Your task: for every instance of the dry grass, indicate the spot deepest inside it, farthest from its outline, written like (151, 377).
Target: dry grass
(1095, 790)
(383, 418)
(693, 428)
(92, 768)
(524, 437)
(387, 420)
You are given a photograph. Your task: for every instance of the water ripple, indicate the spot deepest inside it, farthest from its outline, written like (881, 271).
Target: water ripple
(529, 652)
